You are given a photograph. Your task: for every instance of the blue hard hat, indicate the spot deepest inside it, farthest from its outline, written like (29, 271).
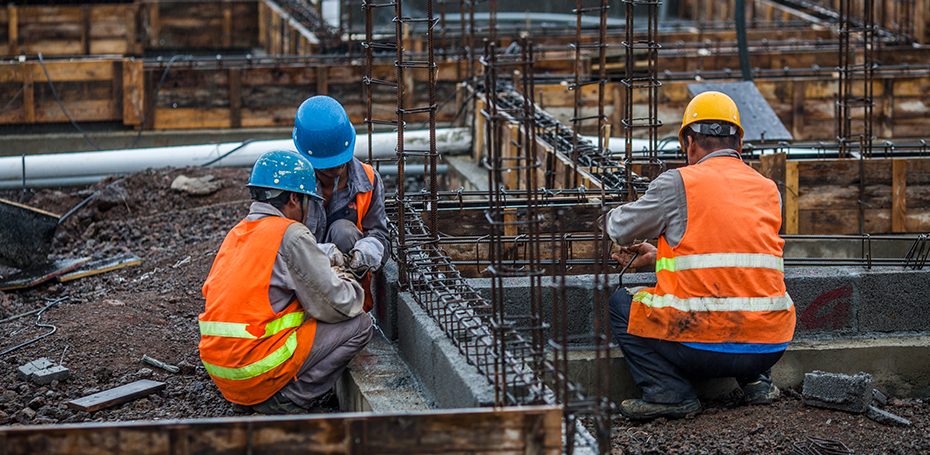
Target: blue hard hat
(284, 170)
(323, 133)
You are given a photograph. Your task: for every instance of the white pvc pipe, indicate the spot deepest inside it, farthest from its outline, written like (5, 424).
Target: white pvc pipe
(81, 168)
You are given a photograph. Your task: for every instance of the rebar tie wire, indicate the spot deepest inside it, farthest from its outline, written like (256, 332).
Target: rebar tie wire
(62, 106)
(37, 324)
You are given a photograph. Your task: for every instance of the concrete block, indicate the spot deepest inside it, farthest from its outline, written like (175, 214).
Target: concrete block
(889, 298)
(826, 300)
(55, 373)
(26, 371)
(386, 287)
(878, 397)
(886, 418)
(838, 391)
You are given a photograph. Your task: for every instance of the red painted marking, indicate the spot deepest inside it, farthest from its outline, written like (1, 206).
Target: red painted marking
(835, 318)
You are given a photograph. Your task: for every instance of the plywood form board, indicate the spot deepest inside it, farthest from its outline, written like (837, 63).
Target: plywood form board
(529, 430)
(201, 25)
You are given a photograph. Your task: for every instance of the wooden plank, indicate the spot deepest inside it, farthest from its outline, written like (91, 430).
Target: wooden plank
(85, 29)
(899, 195)
(101, 266)
(322, 80)
(116, 396)
(797, 117)
(82, 110)
(187, 118)
(13, 28)
(791, 198)
(29, 99)
(133, 92)
(227, 25)
(154, 24)
(530, 430)
(235, 97)
(61, 71)
(40, 274)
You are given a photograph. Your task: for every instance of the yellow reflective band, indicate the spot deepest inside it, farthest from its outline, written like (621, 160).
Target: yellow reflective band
(263, 366)
(707, 261)
(284, 322)
(779, 303)
(224, 329)
(238, 330)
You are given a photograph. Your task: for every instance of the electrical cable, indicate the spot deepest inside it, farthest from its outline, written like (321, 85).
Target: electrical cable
(148, 111)
(62, 106)
(243, 144)
(37, 324)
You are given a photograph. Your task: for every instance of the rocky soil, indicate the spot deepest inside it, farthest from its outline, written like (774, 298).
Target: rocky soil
(107, 322)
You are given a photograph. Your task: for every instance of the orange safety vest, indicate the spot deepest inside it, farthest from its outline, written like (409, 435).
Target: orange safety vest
(724, 282)
(363, 201)
(250, 351)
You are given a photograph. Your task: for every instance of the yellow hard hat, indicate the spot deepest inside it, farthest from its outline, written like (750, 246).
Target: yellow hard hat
(710, 106)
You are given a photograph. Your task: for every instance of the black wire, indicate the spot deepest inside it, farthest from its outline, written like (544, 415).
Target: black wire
(243, 144)
(148, 112)
(55, 92)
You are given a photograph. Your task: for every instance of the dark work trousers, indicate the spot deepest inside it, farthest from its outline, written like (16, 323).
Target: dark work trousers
(660, 368)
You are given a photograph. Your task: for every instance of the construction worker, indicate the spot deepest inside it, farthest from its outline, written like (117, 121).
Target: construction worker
(719, 308)
(349, 218)
(280, 324)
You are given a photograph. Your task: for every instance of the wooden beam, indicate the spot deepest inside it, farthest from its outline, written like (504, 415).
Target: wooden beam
(227, 25)
(12, 28)
(797, 117)
(117, 395)
(322, 80)
(899, 195)
(154, 24)
(133, 92)
(85, 29)
(791, 198)
(29, 99)
(235, 97)
(530, 430)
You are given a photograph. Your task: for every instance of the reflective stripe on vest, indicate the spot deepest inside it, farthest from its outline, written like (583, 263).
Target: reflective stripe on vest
(237, 330)
(707, 261)
(272, 361)
(714, 303)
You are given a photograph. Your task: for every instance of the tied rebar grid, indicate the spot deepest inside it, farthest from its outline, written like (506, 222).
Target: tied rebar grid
(304, 13)
(855, 79)
(512, 164)
(582, 80)
(641, 86)
(611, 174)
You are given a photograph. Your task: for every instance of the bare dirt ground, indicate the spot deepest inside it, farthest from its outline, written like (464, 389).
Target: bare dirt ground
(109, 321)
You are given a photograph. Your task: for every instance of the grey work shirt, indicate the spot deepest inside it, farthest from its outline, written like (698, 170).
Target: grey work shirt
(662, 210)
(301, 269)
(374, 223)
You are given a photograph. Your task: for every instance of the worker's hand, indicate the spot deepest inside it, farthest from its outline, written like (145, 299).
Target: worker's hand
(645, 255)
(366, 255)
(336, 258)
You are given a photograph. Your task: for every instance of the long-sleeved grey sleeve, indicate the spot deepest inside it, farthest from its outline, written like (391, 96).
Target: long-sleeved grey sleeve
(661, 210)
(374, 223)
(325, 295)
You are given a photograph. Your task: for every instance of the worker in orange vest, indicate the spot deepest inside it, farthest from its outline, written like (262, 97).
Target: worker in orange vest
(349, 218)
(719, 308)
(280, 324)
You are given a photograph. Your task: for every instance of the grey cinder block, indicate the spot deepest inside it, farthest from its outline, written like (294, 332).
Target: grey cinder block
(838, 391)
(26, 371)
(55, 373)
(885, 417)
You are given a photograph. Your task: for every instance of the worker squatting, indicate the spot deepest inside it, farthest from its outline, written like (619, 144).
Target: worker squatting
(288, 295)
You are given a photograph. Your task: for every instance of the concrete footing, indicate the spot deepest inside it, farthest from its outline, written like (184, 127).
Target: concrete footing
(849, 320)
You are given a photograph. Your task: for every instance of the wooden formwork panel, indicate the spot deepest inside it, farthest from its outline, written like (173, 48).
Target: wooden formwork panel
(535, 430)
(69, 30)
(823, 196)
(200, 25)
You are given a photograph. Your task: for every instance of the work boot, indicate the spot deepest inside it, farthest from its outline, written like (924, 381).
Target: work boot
(640, 410)
(279, 404)
(759, 390)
